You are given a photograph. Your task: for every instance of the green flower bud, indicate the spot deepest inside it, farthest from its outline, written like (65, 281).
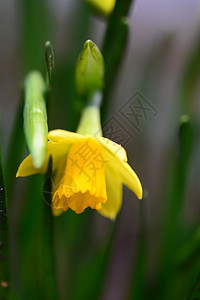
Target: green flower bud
(89, 71)
(103, 7)
(35, 117)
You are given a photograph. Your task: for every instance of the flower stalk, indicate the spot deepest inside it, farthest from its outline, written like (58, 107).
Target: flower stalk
(114, 44)
(50, 286)
(90, 122)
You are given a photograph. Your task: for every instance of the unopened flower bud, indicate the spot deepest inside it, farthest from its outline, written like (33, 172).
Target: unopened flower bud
(35, 117)
(89, 71)
(102, 7)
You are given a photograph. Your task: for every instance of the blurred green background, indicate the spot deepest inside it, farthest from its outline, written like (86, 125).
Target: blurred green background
(152, 249)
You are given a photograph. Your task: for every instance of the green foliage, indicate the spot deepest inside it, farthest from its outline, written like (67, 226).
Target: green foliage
(16, 142)
(49, 276)
(4, 239)
(66, 257)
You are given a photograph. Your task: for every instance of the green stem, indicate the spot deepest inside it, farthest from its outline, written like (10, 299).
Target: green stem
(35, 26)
(114, 44)
(95, 266)
(50, 284)
(4, 240)
(90, 122)
(138, 282)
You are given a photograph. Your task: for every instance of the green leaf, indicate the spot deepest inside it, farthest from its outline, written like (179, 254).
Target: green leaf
(95, 266)
(187, 267)
(138, 278)
(195, 290)
(50, 285)
(174, 196)
(16, 142)
(4, 240)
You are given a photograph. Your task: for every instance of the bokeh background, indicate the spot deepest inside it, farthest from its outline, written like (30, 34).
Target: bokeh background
(164, 38)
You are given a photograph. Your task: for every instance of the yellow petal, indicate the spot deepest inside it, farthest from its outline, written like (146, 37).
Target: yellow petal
(56, 212)
(58, 146)
(130, 179)
(114, 189)
(56, 180)
(102, 6)
(128, 176)
(57, 151)
(60, 136)
(83, 183)
(57, 177)
(114, 148)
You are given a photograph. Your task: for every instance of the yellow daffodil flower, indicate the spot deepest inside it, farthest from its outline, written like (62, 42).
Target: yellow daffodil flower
(89, 170)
